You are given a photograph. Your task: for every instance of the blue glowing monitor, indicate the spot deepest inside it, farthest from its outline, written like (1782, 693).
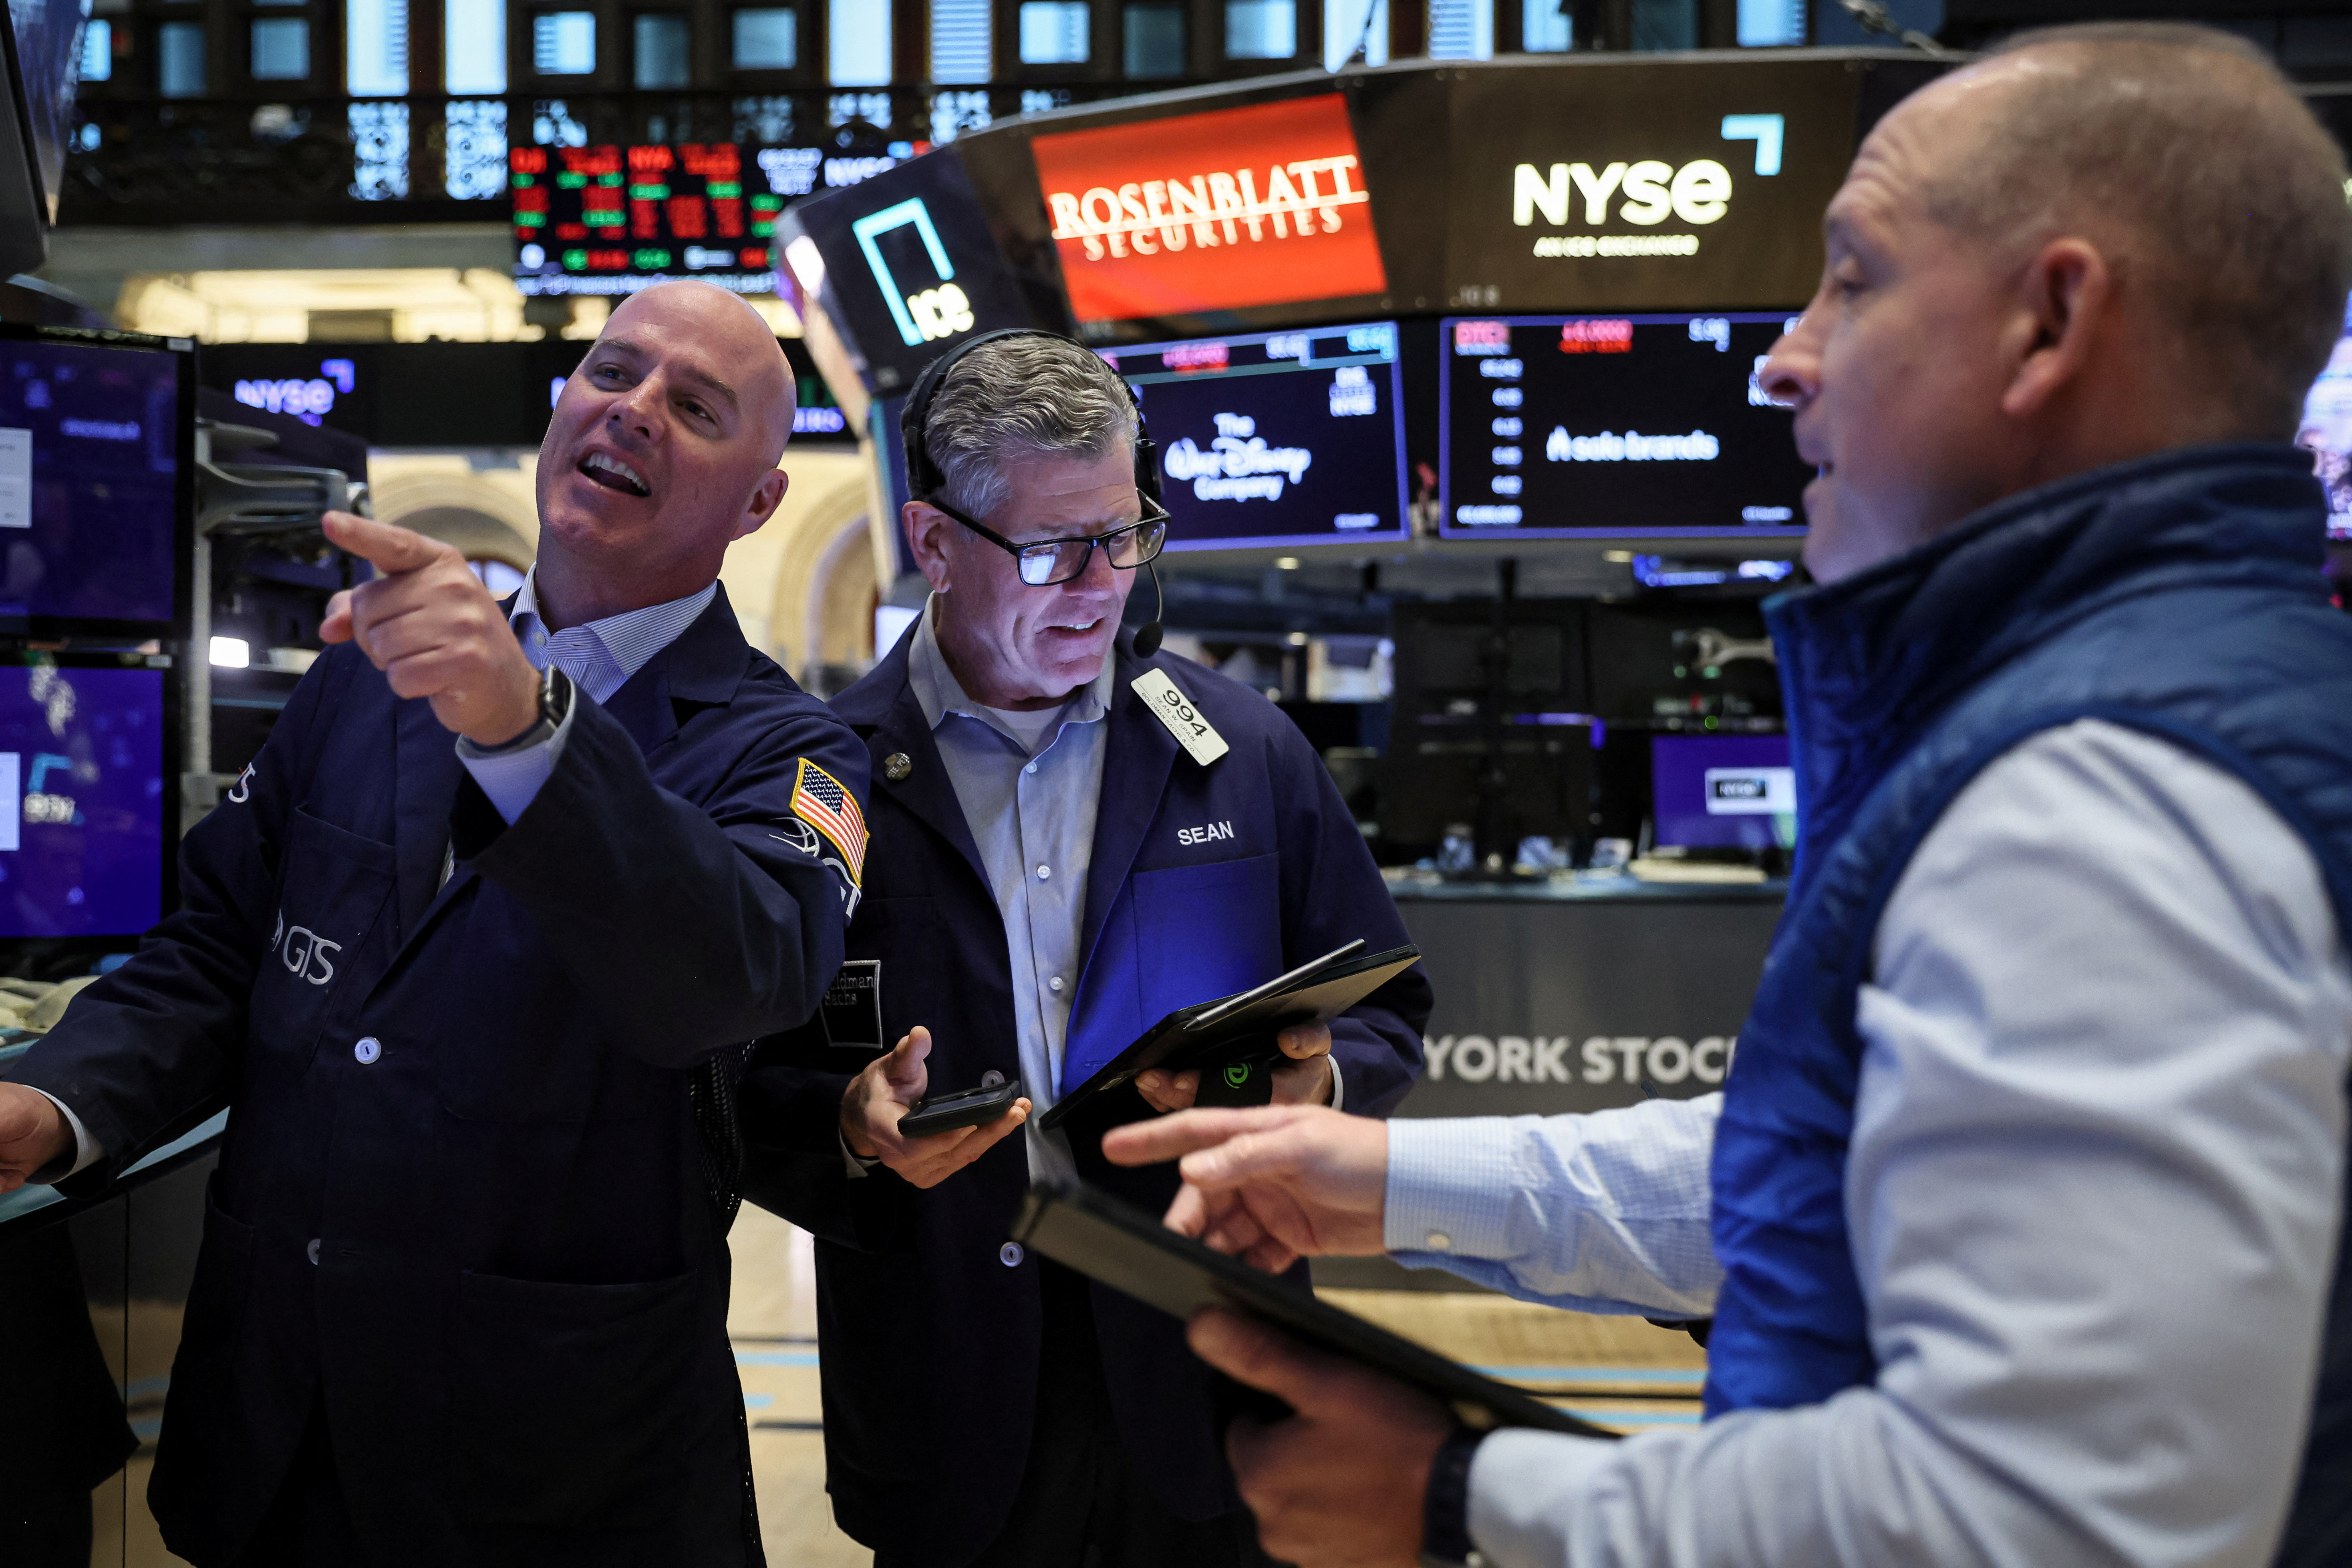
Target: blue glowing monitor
(84, 812)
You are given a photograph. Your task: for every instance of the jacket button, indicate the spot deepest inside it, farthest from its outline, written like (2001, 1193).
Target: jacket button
(991, 1078)
(1009, 1254)
(312, 1251)
(896, 766)
(368, 1049)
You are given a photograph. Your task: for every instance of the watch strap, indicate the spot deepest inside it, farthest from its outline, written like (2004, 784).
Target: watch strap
(1446, 1506)
(556, 691)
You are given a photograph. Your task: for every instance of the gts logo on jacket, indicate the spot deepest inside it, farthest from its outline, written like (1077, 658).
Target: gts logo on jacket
(305, 952)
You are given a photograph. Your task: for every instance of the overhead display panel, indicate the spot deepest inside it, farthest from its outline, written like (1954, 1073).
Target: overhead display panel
(615, 220)
(1276, 438)
(1701, 187)
(1561, 426)
(903, 267)
(1572, 183)
(1263, 204)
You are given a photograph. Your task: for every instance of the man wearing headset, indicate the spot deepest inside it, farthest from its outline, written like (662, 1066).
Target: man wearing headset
(1051, 873)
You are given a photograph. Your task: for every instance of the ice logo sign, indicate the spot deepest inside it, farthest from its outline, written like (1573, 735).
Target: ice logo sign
(1238, 465)
(924, 315)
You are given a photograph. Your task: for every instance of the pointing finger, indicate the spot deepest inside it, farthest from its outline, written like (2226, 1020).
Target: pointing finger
(1148, 1143)
(383, 545)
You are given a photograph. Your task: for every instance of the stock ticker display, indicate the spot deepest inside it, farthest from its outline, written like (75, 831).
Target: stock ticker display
(1568, 426)
(615, 220)
(1271, 438)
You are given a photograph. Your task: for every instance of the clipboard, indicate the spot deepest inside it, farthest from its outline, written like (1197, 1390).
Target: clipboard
(1104, 1240)
(1231, 1028)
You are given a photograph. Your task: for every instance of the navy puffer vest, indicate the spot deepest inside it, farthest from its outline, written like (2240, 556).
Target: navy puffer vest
(2180, 596)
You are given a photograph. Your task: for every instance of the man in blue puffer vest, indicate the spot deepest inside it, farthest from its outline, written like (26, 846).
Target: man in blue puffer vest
(2021, 1215)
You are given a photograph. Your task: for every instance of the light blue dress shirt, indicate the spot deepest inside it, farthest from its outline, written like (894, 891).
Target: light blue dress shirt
(1031, 808)
(599, 656)
(2093, 1189)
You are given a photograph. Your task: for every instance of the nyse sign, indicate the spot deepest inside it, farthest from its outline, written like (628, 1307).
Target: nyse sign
(1613, 194)
(1547, 1006)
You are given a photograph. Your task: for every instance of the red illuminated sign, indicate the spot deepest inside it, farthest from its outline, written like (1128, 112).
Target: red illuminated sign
(1262, 206)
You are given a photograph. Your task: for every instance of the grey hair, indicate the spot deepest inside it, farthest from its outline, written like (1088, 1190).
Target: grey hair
(2218, 189)
(1022, 397)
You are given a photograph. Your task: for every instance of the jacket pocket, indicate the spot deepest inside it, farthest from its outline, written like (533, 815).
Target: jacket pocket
(198, 1429)
(1205, 932)
(332, 894)
(572, 1407)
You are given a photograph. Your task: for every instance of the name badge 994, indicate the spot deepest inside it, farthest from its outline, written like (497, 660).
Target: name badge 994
(1194, 734)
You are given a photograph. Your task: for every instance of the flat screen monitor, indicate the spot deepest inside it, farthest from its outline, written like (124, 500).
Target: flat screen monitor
(1723, 792)
(1568, 427)
(1182, 216)
(2327, 431)
(97, 473)
(1276, 438)
(85, 799)
(614, 220)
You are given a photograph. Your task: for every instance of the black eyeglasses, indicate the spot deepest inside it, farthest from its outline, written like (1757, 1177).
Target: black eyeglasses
(1050, 560)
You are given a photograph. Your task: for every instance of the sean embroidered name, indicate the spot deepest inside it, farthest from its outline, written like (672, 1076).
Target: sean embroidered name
(1205, 835)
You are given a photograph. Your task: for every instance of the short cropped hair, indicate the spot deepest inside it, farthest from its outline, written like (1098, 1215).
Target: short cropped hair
(2230, 194)
(1022, 397)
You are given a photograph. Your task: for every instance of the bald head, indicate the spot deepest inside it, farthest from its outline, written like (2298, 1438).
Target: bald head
(2188, 160)
(660, 452)
(734, 337)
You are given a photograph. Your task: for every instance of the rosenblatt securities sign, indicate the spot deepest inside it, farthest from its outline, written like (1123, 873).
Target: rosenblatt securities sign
(1260, 205)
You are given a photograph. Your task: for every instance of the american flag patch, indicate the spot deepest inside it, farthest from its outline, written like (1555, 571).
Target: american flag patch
(819, 800)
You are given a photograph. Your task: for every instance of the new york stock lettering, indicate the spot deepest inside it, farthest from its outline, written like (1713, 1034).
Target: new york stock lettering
(1602, 1059)
(1226, 207)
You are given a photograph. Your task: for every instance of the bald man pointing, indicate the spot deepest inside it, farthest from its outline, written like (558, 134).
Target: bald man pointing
(475, 1005)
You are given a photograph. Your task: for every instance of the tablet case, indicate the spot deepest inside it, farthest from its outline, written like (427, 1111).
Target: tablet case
(1095, 1234)
(1240, 1027)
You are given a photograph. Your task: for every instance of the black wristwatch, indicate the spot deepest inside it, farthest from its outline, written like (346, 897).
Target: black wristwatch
(1446, 1507)
(554, 702)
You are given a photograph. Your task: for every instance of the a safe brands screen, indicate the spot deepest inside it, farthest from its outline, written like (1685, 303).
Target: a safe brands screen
(81, 801)
(89, 481)
(1276, 437)
(1614, 425)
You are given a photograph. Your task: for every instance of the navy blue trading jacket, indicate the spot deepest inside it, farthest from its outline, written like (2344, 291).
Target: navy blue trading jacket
(930, 1340)
(461, 1194)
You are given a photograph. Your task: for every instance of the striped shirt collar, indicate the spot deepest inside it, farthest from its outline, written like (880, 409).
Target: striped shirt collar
(601, 655)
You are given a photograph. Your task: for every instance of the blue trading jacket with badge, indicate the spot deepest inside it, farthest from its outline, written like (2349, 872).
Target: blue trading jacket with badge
(930, 1340)
(2180, 596)
(472, 1099)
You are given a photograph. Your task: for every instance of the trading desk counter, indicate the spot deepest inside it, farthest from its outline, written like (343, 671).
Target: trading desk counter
(1556, 996)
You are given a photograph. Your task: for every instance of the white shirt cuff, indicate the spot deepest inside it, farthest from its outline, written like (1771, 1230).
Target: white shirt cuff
(1443, 1177)
(1524, 1491)
(86, 1148)
(512, 779)
(853, 1163)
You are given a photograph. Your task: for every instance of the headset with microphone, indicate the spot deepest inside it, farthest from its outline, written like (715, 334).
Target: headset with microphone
(925, 480)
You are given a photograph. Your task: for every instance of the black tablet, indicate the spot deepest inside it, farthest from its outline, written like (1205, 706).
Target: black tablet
(1103, 1238)
(1210, 1033)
